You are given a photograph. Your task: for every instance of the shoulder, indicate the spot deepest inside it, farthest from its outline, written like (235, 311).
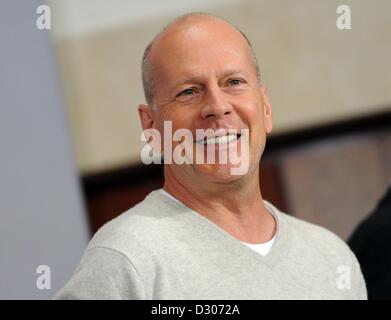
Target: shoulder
(318, 236)
(139, 226)
(310, 237)
(120, 256)
(322, 249)
(313, 231)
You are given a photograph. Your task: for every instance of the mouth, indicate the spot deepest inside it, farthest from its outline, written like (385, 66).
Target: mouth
(219, 140)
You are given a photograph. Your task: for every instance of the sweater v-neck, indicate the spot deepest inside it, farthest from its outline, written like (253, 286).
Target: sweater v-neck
(281, 234)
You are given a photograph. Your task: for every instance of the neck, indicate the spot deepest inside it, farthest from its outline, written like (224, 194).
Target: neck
(237, 207)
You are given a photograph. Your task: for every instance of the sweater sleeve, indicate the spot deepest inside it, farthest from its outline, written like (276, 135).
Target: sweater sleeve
(103, 273)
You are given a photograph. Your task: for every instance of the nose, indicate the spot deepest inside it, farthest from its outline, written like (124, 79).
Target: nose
(215, 103)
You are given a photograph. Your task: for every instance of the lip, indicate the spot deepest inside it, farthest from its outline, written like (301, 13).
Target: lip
(219, 133)
(203, 143)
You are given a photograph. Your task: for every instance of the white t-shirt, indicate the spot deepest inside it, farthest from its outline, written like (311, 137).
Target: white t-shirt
(262, 248)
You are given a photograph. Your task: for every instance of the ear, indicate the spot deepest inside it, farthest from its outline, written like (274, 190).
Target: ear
(146, 116)
(151, 133)
(267, 110)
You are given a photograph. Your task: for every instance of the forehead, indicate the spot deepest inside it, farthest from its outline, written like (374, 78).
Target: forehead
(199, 47)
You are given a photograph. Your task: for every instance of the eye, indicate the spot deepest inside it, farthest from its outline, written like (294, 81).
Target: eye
(235, 82)
(186, 92)
(188, 95)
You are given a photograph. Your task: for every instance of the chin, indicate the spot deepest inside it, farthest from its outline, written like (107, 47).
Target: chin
(218, 173)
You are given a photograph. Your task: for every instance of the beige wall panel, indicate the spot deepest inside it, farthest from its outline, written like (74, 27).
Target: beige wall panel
(315, 72)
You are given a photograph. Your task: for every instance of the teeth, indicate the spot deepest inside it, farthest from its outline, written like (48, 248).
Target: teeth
(219, 140)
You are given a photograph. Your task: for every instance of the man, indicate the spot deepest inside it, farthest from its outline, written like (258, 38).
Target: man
(371, 242)
(209, 234)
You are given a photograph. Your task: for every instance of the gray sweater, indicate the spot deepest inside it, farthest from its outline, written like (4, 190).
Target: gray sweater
(161, 249)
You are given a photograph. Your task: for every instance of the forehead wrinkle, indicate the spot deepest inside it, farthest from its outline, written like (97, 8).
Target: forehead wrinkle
(202, 71)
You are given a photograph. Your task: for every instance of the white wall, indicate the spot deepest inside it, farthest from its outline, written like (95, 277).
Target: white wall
(75, 18)
(316, 73)
(42, 221)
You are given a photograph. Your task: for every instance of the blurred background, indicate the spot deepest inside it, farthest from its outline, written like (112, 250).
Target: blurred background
(70, 132)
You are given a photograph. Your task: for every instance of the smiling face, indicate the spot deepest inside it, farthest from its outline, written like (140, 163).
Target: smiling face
(205, 78)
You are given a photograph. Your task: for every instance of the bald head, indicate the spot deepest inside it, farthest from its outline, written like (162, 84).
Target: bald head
(182, 27)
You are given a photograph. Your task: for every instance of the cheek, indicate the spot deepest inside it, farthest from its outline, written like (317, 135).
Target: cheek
(180, 121)
(249, 102)
(252, 114)
(185, 117)
(255, 120)
(177, 122)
